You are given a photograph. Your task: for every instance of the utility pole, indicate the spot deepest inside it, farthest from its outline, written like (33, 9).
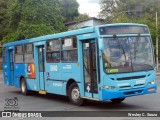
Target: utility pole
(156, 42)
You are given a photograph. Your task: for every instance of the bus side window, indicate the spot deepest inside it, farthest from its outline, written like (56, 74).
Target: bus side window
(28, 53)
(69, 49)
(53, 51)
(19, 54)
(4, 55)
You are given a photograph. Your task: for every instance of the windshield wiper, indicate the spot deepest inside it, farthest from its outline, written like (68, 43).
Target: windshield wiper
(121, 46)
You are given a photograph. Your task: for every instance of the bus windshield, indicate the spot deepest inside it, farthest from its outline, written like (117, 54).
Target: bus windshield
(127, 54)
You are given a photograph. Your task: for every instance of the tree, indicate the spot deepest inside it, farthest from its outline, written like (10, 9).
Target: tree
(37, 11)
(69, 9)
(4, 17)
(81, 17)
(108, 7)
(33, 18)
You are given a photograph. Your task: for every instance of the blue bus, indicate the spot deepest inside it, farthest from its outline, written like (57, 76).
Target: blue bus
(106, 62)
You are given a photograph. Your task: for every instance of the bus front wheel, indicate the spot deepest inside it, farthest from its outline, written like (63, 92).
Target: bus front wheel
(24, 90)
(74, 95)
(117, 100)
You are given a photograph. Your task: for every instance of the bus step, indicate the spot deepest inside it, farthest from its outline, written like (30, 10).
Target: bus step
(42, 92)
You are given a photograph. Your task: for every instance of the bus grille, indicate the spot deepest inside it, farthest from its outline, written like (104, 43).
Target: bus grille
(139, 85)
(124, 87)
(132, 77)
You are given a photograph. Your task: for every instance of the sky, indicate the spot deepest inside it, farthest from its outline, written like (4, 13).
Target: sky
(90, 7)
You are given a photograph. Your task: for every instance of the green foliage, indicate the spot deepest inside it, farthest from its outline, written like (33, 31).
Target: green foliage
(33, 18)
(28, 30)
(69, 9)
(81, 17)
(4, 17)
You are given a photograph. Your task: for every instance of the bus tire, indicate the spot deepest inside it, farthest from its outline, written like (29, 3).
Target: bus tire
(74, 95)
(24, 90)
(117, 100)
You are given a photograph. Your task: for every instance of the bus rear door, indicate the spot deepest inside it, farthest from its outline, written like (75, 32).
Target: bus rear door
(11, 66)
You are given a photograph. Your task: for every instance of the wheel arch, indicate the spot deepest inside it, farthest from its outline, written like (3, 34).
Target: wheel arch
(21, 77)
(69, 82)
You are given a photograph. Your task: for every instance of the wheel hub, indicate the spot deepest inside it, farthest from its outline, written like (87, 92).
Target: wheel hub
(23, 87)
(75, 94)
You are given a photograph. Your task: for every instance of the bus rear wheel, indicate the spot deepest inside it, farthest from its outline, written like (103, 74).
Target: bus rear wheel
(74, 95)
(24, 90)
(117, 100)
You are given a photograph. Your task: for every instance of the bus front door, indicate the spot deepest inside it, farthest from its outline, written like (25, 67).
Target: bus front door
(11, 67)
(41, 67)
(90, 69)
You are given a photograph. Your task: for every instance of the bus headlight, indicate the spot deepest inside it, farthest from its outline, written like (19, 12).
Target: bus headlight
(107, 87)
(151, 83)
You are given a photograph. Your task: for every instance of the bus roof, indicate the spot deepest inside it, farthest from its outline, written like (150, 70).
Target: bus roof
(119, 24)
(65, 34)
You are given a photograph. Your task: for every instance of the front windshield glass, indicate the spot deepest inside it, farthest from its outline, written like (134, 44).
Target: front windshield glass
(127, 54)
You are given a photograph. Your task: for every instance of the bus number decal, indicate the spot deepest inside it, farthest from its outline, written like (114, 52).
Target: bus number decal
(67, 67)
(57, 84)
(140, 81)
(53, 68)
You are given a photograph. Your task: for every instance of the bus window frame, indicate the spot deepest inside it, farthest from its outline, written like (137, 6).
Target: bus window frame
(25, 52)
(22, 53)
(63, 61)
(61, 50)
(52, 51)
(73, 49)
(4, 55)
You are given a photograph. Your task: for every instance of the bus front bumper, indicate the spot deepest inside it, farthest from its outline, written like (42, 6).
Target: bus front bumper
(112, 94)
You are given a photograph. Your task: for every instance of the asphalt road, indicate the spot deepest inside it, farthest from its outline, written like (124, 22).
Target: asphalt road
(50, 102)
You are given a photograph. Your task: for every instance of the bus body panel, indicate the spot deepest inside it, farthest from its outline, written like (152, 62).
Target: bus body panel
(132, 87)
(6, 74)
(55, 87)
(32, 84)
(58, 74)
(110, 94)
(19, 71)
